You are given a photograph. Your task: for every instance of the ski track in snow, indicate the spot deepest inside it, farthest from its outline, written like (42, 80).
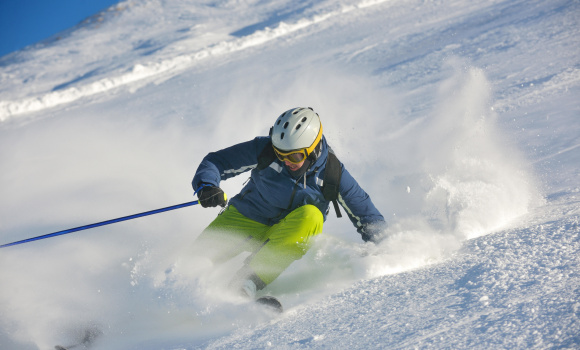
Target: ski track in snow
(469, 116)
(143, 71)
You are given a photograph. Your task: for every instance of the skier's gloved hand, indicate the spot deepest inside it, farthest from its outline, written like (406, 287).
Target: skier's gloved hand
(373, 231)
(212, 196)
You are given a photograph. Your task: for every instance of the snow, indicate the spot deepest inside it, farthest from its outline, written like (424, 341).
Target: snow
(460, 119)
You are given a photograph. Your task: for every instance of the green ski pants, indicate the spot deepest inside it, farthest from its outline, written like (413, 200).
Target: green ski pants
(272, 248)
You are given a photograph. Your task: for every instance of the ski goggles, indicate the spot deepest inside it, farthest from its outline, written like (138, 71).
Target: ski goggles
(297, 156)
(294, 157)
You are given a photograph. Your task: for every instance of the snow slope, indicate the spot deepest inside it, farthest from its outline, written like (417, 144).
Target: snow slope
(460, 119)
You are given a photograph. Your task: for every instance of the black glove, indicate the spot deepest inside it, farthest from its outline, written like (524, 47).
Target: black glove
(373, 231)
(212, 196)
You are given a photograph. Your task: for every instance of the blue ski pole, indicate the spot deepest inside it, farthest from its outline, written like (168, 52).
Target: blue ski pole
(103, 223)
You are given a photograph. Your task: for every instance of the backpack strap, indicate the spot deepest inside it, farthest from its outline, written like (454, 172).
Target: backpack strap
(331, 184)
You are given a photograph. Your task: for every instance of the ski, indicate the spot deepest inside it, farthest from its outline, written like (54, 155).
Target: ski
(89, 336)
(271, 303)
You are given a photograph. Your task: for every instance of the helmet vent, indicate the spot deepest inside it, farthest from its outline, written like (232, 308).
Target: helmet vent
(282, 136)
(279, 121)
(304, 119)
(298, 126)
(286, 125)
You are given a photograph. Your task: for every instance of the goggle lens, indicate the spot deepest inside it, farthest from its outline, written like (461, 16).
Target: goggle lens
(295, 157)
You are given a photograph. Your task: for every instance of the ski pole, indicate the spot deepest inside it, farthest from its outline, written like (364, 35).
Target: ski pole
(103, 223)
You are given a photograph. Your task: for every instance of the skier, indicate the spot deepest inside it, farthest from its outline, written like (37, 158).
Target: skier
(282, 206)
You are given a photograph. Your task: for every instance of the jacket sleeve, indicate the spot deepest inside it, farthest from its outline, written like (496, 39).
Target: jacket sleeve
(360, 209)
(228, 162)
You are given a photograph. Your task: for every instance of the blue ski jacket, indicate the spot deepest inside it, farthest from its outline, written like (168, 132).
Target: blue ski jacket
(272, 193)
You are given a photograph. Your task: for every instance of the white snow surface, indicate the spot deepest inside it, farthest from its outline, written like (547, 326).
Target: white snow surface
(461, 119)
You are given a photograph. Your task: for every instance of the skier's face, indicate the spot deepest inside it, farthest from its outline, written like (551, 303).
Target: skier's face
(292, 166)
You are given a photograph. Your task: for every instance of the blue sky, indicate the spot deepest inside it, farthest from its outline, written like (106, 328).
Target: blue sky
(25, 22)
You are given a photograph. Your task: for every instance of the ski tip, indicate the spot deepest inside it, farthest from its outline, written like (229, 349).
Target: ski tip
(88, 336)
(271, 303)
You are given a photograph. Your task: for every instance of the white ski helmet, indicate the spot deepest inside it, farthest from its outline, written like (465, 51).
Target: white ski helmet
(297, 129)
